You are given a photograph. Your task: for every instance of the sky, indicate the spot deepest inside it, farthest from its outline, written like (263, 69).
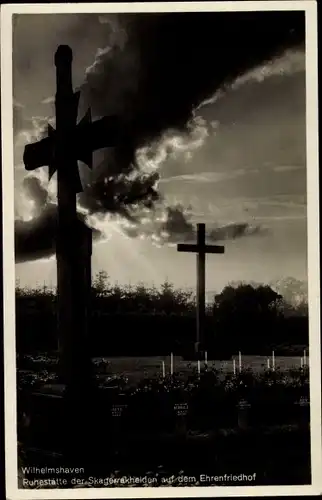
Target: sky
(217, 136)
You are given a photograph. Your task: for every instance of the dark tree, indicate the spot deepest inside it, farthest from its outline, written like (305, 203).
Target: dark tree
(247, 314)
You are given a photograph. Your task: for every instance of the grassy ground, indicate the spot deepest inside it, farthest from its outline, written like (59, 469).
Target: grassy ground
(136, 368)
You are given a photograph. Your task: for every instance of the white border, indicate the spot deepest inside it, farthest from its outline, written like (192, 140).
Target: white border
(310, 8)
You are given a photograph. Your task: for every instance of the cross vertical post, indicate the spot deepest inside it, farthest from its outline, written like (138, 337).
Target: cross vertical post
(201, 283)
(74, 239)
(201, 249)
(60, 151)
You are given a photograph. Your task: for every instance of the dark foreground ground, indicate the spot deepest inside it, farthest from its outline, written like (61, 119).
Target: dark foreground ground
(270, 456)
(170, 431)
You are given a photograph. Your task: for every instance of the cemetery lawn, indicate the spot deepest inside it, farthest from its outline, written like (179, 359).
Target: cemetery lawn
(212, 423)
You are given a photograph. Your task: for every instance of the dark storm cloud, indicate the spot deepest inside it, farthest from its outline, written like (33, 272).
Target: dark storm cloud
(36, 239)
(171, 62)
(118, 193)
(175, 225)
(153, 72)
(180, 228)
(156, 69)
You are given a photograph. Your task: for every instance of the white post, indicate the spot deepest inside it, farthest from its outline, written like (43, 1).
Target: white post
(273, 361)
(234, 366)
(206, 358)
(199, 366)
(163, 369)
(304, 357)
(240, 362)
(268, 364)
(171, 363)
(301, 362)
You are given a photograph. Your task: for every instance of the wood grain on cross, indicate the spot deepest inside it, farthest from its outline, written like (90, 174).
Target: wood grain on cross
(60, 151)
(201, 249)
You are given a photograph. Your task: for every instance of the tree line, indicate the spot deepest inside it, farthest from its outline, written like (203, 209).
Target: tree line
(141, 320)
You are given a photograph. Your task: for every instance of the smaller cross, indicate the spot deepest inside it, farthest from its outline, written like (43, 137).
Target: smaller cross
(201, 249)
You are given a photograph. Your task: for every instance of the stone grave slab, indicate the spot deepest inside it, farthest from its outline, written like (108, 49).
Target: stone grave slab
(243, 414)
(302, 412)
(181, 410)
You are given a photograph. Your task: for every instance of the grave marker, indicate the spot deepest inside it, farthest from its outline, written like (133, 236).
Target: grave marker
(243, 410)
(117, 410)
(303, 411)
(181, 412)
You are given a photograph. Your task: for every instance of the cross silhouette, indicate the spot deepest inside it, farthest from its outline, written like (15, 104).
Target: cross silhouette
(201, 249)
(60, 151)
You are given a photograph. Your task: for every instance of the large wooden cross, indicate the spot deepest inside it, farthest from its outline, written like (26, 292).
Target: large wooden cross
(60, 151)
(201, 249)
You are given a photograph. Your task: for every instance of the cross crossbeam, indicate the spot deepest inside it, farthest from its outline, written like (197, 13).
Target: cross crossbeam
(88, 137)
(71, 140)
(184, 247)
(201, 249)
